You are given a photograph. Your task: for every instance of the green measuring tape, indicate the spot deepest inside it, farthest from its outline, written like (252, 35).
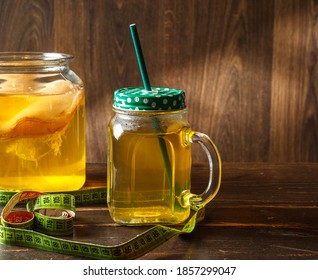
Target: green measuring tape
(51, 215)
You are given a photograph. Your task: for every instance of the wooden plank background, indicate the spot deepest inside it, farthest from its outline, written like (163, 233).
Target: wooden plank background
(249, 68)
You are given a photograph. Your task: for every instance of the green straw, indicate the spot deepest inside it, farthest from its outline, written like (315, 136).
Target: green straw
(140, 57)
(145, 79)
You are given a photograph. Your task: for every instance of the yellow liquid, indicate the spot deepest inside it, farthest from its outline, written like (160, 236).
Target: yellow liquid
(42, 142)
(142, 189)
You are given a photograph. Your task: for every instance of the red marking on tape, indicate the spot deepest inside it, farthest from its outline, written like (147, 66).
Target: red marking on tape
(19, 217)
(27, 195)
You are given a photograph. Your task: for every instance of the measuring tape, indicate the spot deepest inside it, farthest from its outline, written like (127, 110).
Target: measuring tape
(51, 215)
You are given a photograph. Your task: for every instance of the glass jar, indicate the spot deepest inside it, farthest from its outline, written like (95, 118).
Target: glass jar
(42, 123)
(149, 158)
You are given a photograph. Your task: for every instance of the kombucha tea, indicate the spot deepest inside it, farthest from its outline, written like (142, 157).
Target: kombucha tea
(149, 172)
(42, 141)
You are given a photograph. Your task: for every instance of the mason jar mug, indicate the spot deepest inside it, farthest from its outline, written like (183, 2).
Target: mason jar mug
(149, 158)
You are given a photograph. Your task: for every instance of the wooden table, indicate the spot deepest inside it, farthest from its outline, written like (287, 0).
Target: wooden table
(263, 211)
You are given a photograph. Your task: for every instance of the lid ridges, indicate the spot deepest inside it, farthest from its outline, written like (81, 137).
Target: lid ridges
(158, 99)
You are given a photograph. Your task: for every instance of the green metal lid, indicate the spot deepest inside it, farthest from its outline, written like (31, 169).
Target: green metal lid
(137, 98)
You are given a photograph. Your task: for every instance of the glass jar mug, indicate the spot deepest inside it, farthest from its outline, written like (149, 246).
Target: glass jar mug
(42, 123)
(149, 158)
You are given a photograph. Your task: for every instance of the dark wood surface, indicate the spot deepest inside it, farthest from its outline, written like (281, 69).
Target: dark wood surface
(263, 211)
(249, 68)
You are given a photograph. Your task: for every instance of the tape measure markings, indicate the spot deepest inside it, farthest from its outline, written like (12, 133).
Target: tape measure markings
(44, 227)
(84, 196)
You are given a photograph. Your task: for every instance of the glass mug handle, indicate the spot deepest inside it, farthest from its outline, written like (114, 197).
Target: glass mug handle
(189, 199)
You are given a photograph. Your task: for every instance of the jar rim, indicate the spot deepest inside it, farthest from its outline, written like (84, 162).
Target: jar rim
(33, 58)
(149, 112)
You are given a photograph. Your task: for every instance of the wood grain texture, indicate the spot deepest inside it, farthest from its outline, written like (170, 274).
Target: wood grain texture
(249, 68)
(263, 211)
(294, 113)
